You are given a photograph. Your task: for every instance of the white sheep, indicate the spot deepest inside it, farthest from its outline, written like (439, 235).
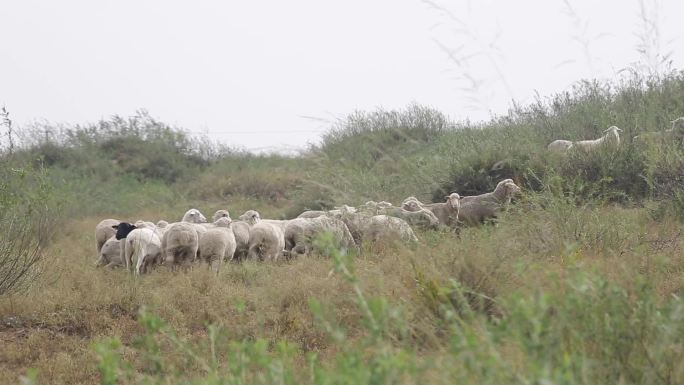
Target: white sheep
(611, 136)
(300, 232)
(104, 231)
(478, 208)
(110, 254)
(389, 228)
(251, 217)
(180, 243)
(421, 218)
(312, 214)
(412, 204)
(143, 246)
(241, 233)
(560, 145)
(220, 214)
(218, 244)
(266, 242)
(194, 216)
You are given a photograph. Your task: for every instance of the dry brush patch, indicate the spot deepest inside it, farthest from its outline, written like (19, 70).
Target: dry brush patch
(52, 327)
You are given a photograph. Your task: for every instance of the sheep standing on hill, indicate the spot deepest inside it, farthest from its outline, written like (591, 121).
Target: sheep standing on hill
(611, 136)
(194, 216)
(180, 244)
(217, 244)
(104, 231)
(478, 208)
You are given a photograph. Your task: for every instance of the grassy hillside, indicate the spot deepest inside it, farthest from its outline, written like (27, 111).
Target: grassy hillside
(580, 282)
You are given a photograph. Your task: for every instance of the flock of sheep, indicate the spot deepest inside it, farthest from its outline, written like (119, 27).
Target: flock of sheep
(141, 245)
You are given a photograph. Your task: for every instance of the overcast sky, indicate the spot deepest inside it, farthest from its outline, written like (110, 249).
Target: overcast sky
(252, 73)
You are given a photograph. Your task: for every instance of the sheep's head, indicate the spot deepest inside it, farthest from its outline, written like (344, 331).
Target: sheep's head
(430, 219)
(411, 205)
(162, 224)
(251, 217)
(453, 200)
(511, 189)
(384, 205)
(220, 214)
(223, 222)
(613, 131)
(194, 216)
(123, 229)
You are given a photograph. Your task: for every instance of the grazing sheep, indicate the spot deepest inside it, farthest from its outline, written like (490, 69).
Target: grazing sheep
(422, 218)
(241, 233)
(560, 145)
(412, 204)
(194, 216)
(104, 231)
(611, 136)
(217, 244)
(251, 217)
(312, 214)
(447, 212)
(149, 225)
(143, 244)
(180, 243)
(110, 254)
(300, 232)
(266, 242)
(389, 228)
(476, 209)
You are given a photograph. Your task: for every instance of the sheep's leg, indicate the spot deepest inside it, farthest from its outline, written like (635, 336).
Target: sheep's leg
(100, 261)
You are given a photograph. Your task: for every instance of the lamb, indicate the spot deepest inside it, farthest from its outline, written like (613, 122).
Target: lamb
(300, 232)
(110, 254)
(104, 231)
(143, 244)
(180, 243)
(560, 145)
(266, 241)
(422, 218)
(194, 216)
(611, 136)
(476, 209)
(447, 212)
(217, 244)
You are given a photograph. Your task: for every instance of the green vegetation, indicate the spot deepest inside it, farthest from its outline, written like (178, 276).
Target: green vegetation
(580, 282)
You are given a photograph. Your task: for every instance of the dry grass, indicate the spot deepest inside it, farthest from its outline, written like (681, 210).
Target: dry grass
(53, 326)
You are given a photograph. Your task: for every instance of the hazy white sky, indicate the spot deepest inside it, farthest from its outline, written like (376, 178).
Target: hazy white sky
(250, 72)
